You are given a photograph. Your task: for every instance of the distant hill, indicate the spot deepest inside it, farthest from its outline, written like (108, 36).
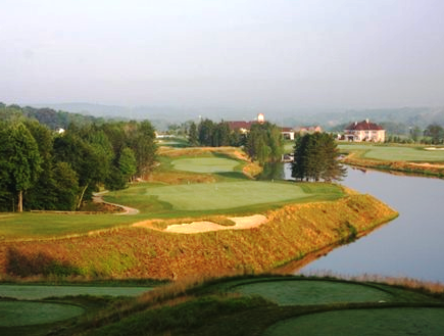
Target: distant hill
(399, 119)
(403, 117)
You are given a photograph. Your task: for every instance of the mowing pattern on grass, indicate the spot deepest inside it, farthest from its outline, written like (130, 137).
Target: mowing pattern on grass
(310, 292)
(205, 165)
(15, 313)
(37, 292)
(387, 322)
(30, 225)
(226, 195)
(393, 153)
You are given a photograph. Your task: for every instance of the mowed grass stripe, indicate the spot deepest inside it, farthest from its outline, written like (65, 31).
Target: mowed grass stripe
(312, 292)
(205, 165)
(388, 322)
(16, 313)
(38, 292)
(226, 195)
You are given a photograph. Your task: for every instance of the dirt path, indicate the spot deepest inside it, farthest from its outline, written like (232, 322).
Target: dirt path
(98, 198)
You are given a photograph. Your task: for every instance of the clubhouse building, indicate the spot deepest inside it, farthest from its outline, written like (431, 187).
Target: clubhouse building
(364, 131)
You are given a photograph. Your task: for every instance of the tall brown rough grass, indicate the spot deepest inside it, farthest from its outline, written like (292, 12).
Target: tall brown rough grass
(291, 233)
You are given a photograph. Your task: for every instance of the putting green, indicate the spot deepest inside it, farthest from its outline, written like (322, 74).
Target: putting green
(312, 292)
(363, 322)
(30, 292)
(19, 313)
(212, 196)
(394, 153)
(205, 165)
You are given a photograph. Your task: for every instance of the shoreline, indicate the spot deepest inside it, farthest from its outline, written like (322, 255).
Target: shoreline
(422, 169)
(292, 232)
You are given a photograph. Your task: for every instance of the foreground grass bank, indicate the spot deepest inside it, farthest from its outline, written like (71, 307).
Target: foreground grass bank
(252, 305)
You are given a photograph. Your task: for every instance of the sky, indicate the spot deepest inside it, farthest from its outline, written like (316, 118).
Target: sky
(254, 54)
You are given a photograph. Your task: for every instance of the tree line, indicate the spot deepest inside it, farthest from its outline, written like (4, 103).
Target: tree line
(262, 143)
(41, 168)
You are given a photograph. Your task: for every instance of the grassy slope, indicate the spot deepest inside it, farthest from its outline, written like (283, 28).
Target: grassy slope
(292, 232)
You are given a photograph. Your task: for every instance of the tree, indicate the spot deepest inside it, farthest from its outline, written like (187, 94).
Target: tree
(24, 161)
(83, 159)
(193, 137)
(144, 148)
(127, 163)
(42, 195)
(415, 133)
(206, 130)
(264, 143)
(436, 132)
(66, 186)
(316, 158)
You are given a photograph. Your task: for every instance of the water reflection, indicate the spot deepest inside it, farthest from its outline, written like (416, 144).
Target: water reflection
(410, 246)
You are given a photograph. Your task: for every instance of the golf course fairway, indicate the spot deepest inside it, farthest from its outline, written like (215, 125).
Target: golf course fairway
(300, 292)
(20, 313)
(364, 322)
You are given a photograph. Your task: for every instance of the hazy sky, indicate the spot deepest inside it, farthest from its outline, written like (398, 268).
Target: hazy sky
(283, 54)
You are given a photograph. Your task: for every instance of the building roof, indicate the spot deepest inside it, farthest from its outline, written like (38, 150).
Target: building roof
(287, 129)
(237, 125)
(364, 125)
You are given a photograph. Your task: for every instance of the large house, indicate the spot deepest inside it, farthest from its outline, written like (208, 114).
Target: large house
(364, 131)
(244, 126)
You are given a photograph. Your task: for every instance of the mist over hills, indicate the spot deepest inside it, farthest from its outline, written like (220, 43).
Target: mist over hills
(329, 119)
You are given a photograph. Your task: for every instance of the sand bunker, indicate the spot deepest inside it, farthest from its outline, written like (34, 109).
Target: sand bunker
(242, 223)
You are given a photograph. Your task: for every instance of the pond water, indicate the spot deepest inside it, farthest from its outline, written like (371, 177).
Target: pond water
(410, 246)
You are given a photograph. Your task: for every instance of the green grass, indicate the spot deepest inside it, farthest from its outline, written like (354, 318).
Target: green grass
(209, 197)
(291, 292)
(38, 292)
(29, 225)
(388, 322)
(207, 309)
(206, 165)
(394, 153)
(226, 195)
(17, 313)
(173, 201)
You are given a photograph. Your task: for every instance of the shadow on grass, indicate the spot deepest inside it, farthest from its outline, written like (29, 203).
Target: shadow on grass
(232, 175)
(40, 263)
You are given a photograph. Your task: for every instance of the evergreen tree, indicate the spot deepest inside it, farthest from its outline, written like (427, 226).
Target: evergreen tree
(144, 148)
(206, 130)
(193, 137)
(316, 158)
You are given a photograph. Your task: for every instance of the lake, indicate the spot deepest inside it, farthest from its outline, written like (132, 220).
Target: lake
(410, 246)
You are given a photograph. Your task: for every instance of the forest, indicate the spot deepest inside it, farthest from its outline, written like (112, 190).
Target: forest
(53, 160)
